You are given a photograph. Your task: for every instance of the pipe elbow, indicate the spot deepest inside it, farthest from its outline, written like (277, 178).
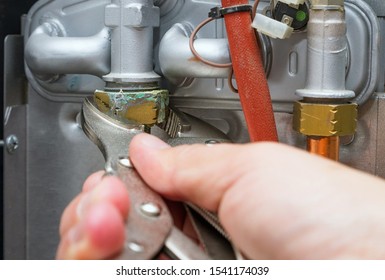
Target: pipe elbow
(48, 54)
(177, 62)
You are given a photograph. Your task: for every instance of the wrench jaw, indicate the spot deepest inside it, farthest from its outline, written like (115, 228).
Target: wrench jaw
(110, 135)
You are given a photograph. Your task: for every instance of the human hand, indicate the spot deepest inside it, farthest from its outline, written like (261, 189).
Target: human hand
(276, 202)
(92, 225)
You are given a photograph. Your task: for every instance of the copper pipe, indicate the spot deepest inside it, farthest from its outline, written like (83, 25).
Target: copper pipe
(250, 74)
(324, 146)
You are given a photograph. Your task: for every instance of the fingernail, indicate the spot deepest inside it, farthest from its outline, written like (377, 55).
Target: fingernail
(76, 234)
(152, 142)
(76, 243)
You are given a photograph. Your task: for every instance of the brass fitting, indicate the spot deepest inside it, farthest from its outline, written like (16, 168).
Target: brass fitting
(325, 119)
(143, 107)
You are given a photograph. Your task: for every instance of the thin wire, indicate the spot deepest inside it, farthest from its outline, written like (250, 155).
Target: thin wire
(254, 9)
(213, 64)
(230, 81)
(196, 54)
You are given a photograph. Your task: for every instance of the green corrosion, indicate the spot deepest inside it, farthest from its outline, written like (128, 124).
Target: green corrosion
(145, 107)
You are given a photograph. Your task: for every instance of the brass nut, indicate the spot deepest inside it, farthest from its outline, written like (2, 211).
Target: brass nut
(325, 119)
(142, 107)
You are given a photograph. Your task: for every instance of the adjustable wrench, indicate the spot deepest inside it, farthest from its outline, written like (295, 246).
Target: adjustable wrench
(149, 227)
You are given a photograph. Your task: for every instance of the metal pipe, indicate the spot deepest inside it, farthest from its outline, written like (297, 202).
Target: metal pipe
(131, 23)
(177, 62)
(327, 52)
(47, 54)
(325, 114)
(324, 146)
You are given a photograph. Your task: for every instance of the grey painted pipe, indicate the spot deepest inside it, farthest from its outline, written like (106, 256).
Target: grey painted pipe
(47, 54)
(177, 62)
(327, 53)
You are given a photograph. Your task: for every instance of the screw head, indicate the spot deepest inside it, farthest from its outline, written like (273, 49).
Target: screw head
(150, 209)
(12, 143)
(211, 142)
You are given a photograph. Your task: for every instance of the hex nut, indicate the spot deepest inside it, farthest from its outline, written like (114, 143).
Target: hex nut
(134, 15)
(137, 15)
(325, 119)
(141, 107)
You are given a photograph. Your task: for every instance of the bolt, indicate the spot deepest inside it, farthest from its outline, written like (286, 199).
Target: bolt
(12, 143)
(150, 209)
(125, 162)
(135, 247)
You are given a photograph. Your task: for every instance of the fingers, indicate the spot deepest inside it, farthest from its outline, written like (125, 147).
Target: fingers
(92, 226)
(93, 180)
(274, 201)
(69, 216)
(203, 174)
(198, 173)
(99, 235)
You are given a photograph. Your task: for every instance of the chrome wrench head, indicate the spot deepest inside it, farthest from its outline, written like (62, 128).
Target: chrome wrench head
(149, 222)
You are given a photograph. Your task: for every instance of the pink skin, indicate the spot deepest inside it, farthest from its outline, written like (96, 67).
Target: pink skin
(92, 225)
(276, 202)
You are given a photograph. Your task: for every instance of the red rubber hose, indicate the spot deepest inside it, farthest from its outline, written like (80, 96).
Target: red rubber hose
(249, 71)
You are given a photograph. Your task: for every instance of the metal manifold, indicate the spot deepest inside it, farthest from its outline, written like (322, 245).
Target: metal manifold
(110, 69)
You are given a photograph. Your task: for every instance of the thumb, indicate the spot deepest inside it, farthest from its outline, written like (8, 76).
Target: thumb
(198, 173)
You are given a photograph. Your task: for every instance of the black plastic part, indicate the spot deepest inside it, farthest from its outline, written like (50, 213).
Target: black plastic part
(219, 12)
(283, 9)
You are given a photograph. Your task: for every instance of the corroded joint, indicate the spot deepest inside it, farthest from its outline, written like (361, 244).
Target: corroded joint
(325, 119)
(142, 107)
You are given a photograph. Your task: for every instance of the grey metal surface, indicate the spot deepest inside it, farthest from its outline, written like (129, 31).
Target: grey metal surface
(15, 187)
(179, 247)
(59, 158)
(377, 6)
(14, 161)
(49, 53)
(212, 241)
(14, 77)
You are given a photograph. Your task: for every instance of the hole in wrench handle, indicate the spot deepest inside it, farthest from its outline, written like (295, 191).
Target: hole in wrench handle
(147, 232)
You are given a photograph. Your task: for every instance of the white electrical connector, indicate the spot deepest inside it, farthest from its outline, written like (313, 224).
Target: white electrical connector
(293, 2)
(271, 27)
